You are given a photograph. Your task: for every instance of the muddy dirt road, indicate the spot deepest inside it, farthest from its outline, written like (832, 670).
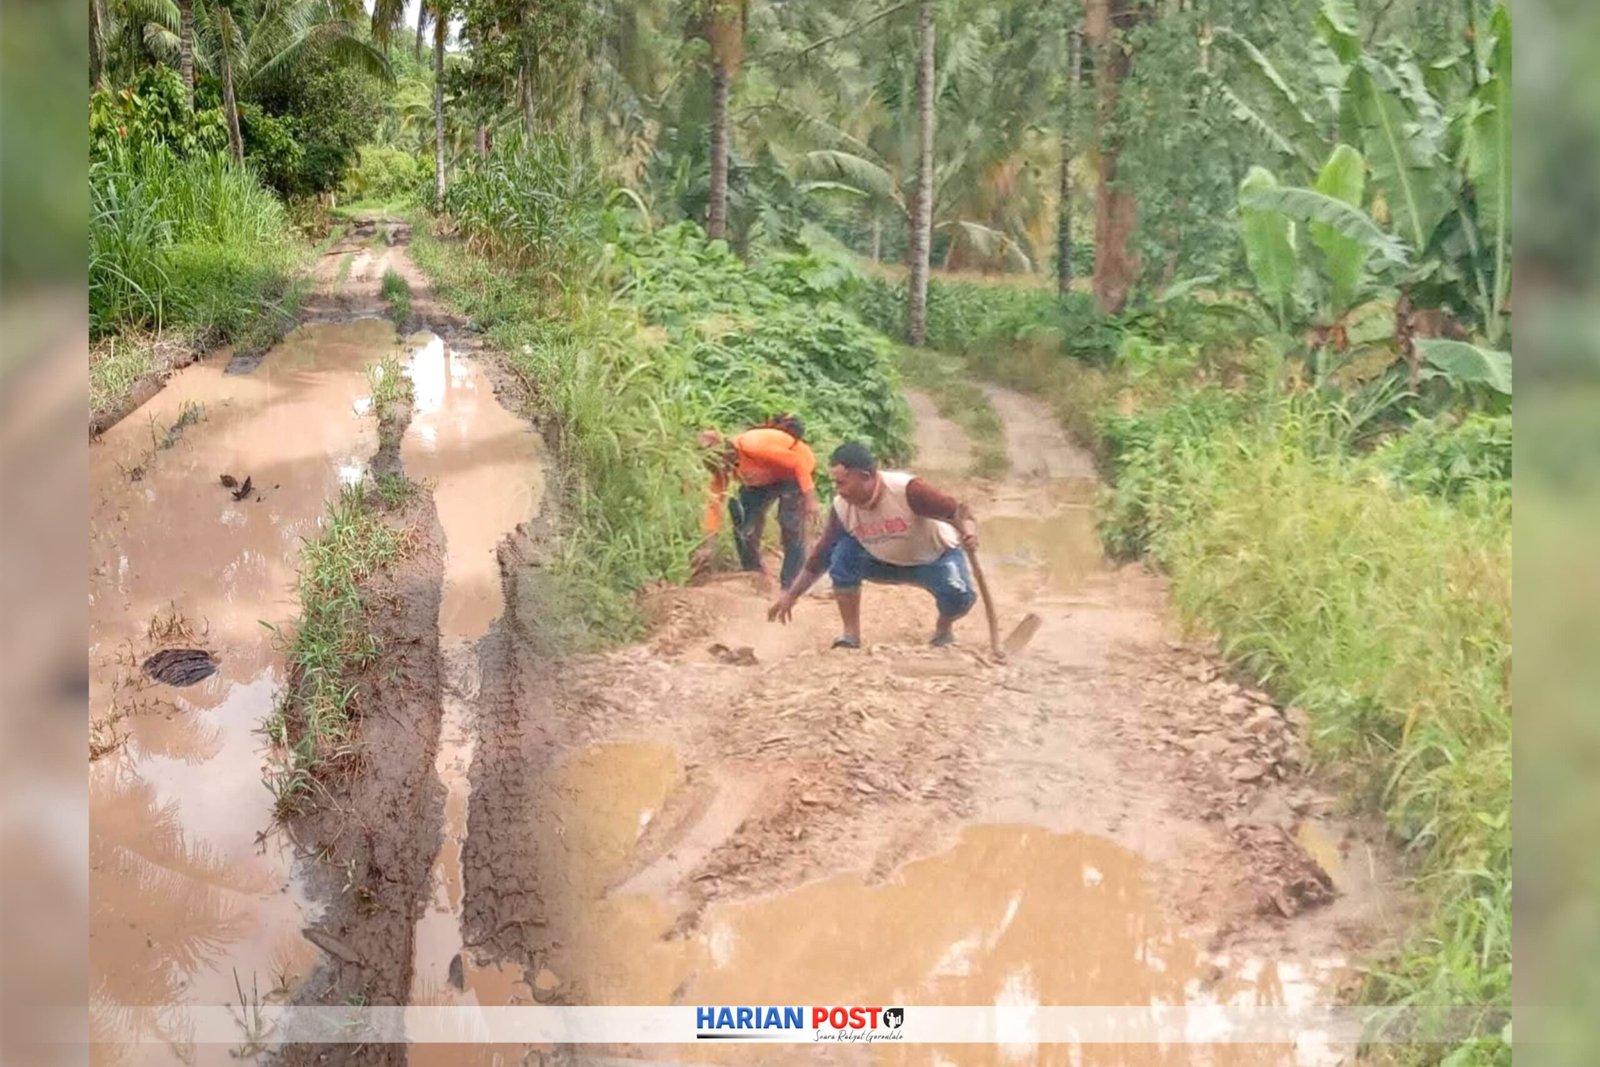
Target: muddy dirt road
(727, 813)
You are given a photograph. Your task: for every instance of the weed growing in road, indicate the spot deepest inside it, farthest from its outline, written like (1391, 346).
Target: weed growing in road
(312, 726)
(394, 489)
(389, 384)
(397, 291)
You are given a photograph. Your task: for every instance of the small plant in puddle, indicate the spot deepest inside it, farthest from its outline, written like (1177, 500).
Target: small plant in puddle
(250, 1019)
(397, 291)
(104, 735)
(388, 383)
(313, 726)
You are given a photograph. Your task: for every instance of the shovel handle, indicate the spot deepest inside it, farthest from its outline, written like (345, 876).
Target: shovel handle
(988, 604)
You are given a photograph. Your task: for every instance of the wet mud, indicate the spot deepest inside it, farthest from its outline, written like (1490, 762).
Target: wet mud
(190, 881)
(728, 811)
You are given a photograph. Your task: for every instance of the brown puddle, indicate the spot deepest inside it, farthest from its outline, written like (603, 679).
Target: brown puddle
(183, 894)
(486, 470)
(1011, 915)
(1052, 534)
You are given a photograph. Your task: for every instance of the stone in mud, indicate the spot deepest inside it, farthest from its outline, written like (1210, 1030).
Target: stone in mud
(1264, 721)
(458, 976)
(744, 656)
(181, 666)
(1247, 772)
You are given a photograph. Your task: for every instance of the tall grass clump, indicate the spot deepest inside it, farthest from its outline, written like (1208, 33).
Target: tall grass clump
(313, 727)
(396, 291)
(194, 244)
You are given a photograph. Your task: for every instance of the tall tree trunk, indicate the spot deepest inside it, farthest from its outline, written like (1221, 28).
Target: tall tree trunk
(422, 28)
(717, 208)
(94, 44)
(1115, 265)
(186, 48)
(530, 117)
(231, 107)
(1064, 220)
(441, 27)
(922, 198)
(482, 140)
(1064, 190)
(877, 237)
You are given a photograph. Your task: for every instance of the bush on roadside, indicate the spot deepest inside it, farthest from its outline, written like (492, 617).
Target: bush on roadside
(382, 173)
(194, 244)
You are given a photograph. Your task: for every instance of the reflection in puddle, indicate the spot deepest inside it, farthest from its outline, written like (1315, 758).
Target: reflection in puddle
(182, 893)
(485, 468)
(1065, 546)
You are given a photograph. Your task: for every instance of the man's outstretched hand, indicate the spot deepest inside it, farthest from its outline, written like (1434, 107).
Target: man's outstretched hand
(782, 609)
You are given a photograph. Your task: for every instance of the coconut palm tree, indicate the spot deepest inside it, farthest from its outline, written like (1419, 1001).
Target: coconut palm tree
(725, 22)
(922, 201)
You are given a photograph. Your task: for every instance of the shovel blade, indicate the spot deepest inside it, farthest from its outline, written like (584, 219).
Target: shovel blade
(1019, 637)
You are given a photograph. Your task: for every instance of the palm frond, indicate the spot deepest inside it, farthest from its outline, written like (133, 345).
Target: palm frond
(850, 169)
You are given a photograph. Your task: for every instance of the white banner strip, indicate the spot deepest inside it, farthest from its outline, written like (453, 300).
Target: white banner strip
(1017, 1026)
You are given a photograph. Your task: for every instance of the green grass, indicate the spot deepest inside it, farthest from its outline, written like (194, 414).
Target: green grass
(116, 366)
(1387, 616)
(397, 291)
(314, 726)
(394, 489)
(961, 401)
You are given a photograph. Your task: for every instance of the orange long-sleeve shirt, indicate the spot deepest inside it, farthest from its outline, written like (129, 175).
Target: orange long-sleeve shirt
(765, 455)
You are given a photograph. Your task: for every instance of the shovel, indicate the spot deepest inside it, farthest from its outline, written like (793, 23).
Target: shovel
(1019, 636)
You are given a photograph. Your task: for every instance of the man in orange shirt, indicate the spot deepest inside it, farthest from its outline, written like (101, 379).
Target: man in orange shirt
(770, 462)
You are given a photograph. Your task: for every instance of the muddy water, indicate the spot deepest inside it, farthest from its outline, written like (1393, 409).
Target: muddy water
(183, 891)
(486, 469)
(1011, 915)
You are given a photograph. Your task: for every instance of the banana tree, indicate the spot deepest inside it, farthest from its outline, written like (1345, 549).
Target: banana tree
(1435, 146)
(1331, 282)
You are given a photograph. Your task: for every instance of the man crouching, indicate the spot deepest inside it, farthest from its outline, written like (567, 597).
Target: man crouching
(891, 527)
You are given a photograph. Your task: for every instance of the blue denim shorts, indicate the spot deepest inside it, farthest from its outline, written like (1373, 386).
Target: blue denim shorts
(947, 577)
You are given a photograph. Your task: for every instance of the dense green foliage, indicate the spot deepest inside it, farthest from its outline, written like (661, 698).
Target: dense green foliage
(194, 244)
(633, 349)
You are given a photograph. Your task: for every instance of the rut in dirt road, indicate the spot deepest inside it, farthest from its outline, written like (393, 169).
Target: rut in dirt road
(721, 814)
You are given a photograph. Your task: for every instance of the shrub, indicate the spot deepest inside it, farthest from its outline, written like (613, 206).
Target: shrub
(153, 111)
(971, 317)
(382, 173)
(195, 243)
(1466, 459)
